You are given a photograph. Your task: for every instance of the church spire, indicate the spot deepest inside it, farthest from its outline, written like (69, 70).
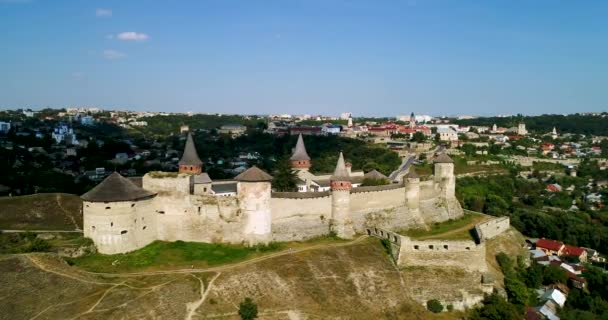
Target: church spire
(190, 162)
(300, 159)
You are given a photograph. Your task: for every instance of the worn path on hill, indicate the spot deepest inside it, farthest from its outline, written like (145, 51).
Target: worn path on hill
(40, 265)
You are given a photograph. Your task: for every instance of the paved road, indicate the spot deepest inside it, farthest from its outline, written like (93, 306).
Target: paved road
(403, 168)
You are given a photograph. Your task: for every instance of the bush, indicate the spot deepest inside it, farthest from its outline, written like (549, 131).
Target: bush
(434, 306)
(38, 245)
(248, 310)
(450, 307)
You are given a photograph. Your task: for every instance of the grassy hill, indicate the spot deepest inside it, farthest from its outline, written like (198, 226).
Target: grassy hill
(357, 281)
(43, 211)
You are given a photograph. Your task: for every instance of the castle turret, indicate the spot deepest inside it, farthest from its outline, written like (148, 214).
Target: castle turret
(118, 216)
(412, 190)
(190, 162)
(444, 175)
(341, 222)
(253, 191)
(300, 159)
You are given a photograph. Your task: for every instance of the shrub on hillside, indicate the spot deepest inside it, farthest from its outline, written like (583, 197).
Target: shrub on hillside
(248, 310)
(434, 306)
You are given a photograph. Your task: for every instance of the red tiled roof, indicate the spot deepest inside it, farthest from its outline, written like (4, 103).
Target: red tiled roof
(549, 244)
(573, 251)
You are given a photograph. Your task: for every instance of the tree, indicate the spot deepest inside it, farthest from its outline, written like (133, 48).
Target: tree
(285, 178)
(418, 137)
(434, 306)
(248, 310)
(496, 307)
(554, 274)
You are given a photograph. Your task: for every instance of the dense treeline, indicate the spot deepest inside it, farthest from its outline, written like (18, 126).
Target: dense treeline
(159, 126)
(536, 212)
(574, 123)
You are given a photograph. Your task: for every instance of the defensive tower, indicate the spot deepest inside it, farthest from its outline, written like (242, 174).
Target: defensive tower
(300, 159)
(190, 162)
(253, 190)
(341, 222)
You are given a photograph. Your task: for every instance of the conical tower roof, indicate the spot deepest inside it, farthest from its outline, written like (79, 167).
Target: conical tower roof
(340, 174)
(375, 175)
(443, 158)
(190, 157)
(116, 188)
(300, 153)
(253, 174)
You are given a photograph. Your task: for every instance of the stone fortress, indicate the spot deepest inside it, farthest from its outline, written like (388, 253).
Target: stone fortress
(123, 215)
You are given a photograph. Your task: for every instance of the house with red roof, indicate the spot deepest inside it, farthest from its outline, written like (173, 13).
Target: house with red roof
(550, 247)
(554, 187)
(572, 251)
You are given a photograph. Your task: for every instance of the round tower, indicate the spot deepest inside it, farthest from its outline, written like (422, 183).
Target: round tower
(412, 121)
(117, 215)
(412, 190)
(444, 175)
(341, 222)
(253, 191)
(300, 159)
(190, 162)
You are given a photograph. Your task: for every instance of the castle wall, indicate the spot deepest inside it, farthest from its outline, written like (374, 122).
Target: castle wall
(383, 209)
(443, 253)
(118, 227)
(167, 182)
(295, 219)
(254, 202)
(490, 229)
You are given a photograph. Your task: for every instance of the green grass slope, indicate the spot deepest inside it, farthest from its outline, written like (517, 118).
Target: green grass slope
(43, 211)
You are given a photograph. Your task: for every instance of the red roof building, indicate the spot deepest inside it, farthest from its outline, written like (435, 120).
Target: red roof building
(572, 251)
(550, 247)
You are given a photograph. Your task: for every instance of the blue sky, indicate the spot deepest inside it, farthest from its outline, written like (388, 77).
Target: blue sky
(380, 58)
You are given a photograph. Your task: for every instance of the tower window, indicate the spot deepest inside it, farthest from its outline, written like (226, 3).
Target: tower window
(445, 246)
(107, 208)
(93, 228)
(123, 232)
(132, 205)
(111, 224)
(416, 247)
(144, 228)
(431, 247)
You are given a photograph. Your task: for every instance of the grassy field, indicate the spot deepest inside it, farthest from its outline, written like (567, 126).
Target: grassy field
(547, 166)
(169, 255)
(460, 229)
(43, 211)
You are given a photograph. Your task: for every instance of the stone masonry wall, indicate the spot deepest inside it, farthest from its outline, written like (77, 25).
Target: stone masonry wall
(441, 253)
(295, 219)
(490, 229)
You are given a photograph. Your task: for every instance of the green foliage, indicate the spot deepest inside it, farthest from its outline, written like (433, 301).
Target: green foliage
(285, 177)
(434, 306)
(248, 310)
(554, 274)
(523, 201)
(418, 137)
(374, 182)
(496, 307)
(171, 254)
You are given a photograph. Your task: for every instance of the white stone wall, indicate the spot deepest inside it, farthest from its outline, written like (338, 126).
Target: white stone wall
(254, 199)
(443, 253)
(169, 183)
(118, 227)
(341, 220)
(490, 229)
(300, 219)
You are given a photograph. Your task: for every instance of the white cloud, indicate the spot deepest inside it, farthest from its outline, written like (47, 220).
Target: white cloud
(113, 54)
(132, 36)
(103, 12)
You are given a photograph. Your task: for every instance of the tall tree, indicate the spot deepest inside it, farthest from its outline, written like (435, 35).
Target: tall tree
(285, 177)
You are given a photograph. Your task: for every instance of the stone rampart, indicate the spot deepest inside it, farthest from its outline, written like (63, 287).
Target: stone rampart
(167, 183)
(441, 253)
(464, 254)
(490, 229)
(295, 219)
(300, 195)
